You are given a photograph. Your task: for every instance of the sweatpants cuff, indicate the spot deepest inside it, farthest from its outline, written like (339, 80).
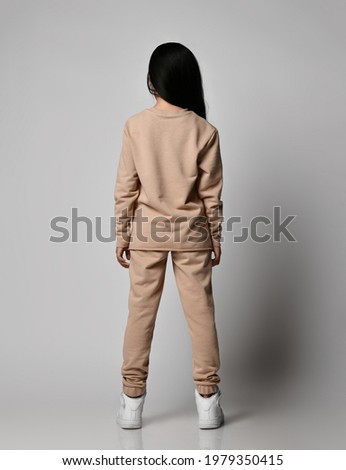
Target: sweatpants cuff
(205, 389)
(133, 392)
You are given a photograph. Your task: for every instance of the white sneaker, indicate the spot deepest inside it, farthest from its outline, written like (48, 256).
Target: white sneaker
(129, 415)
(209, 410)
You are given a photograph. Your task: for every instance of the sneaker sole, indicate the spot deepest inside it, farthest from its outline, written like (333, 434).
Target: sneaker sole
(126, 424)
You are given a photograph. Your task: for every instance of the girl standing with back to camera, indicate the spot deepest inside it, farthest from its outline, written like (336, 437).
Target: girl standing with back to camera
(168, 199)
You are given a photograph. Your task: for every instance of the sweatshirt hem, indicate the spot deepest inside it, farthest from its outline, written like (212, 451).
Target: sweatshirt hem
(169, 249)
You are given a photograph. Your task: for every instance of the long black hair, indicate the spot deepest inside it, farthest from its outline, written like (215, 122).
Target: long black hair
(174, 74)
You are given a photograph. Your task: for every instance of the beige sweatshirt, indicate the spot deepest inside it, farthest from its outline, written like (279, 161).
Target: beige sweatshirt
(169, 182)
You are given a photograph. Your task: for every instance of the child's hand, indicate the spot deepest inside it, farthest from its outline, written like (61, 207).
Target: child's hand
(120, 256)
(217, 256)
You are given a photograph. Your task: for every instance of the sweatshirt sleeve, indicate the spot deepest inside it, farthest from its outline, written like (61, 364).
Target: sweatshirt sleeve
(126, 192)
(210, 183)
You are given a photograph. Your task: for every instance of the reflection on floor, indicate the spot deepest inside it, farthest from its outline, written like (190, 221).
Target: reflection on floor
(92, 425)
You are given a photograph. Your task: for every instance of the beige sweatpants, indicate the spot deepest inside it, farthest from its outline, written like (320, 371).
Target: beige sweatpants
(193, 275)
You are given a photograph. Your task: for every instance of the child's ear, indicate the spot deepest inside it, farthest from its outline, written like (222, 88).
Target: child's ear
(151, 86)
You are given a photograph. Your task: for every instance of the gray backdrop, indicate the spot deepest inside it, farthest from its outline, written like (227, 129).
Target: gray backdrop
(274, 77)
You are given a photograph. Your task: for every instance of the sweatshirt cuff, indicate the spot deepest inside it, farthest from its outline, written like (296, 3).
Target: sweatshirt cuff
(122, 245)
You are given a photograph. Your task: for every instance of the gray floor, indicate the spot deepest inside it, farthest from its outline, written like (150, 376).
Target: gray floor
(249, 424)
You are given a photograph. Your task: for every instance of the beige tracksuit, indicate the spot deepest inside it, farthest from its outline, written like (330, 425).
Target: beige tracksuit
(168, 198)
